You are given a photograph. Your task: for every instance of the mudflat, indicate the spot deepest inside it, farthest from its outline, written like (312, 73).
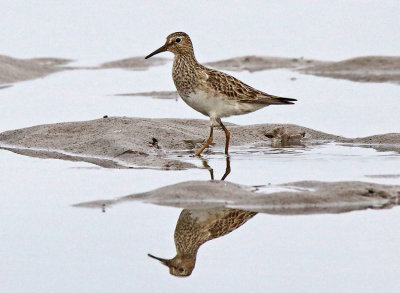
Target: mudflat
(122, 142)
(359, 69)
(305, 197)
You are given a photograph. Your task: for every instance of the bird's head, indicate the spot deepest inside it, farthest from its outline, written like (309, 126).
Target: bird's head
(179, 266)
(178, 43)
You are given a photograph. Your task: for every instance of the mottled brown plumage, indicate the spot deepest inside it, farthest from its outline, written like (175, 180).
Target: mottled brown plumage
(211, 92)
(194, 228)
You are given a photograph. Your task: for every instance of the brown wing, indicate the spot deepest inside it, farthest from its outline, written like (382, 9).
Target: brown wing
(234, 89)
(231, 220)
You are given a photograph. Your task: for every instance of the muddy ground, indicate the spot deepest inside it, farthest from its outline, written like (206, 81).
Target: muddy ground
(13, 70)
(360, 69)
(260, 63)
(305, 197)
(134, 63)
(121, 142)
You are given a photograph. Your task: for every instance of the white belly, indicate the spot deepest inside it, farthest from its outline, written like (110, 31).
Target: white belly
(218, 106)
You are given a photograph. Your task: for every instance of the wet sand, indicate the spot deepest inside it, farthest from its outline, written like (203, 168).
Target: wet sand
(260, 63)
(134, 63)
(13, 70)
(297, 198)
(121, 142)
(360, 69)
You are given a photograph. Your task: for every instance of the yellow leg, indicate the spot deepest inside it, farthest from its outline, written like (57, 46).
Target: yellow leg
(227, 135)
(211, 170)
(228, 168)
(208, 142)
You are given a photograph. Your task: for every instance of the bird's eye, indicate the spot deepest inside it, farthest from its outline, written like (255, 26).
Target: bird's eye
(181, 270)
(178, 40)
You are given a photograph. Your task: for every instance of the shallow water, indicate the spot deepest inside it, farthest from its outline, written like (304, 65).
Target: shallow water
(326, 162)
(52, 246)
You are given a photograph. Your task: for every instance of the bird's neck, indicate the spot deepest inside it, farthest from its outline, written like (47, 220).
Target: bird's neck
(185, 60)
(189, 235)
(184, 73)
(189, 248)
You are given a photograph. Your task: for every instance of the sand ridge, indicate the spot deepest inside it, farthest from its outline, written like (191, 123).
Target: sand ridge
(156, 143)
(13, 70)
(296, 198)
(134, 63)
(360, 69)
(260, 63)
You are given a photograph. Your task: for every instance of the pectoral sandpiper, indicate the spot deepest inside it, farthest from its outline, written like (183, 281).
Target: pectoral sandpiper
(211, 92)
(194, 228)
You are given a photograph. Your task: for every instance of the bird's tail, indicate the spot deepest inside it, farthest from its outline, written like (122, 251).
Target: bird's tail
(267, 99)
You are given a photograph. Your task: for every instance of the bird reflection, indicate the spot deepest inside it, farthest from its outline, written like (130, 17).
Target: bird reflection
(194, 228)
(197, 226)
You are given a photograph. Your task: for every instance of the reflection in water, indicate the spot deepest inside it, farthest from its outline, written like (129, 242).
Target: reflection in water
(197, 226)
(194, 228)
(206, 215)
(211, 170)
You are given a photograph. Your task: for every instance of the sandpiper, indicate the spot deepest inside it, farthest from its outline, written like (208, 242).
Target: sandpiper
(194, 228)
(211, 92)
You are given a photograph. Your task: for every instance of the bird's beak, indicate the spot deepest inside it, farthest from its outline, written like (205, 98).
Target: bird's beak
(162, 260)
(159, 50)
